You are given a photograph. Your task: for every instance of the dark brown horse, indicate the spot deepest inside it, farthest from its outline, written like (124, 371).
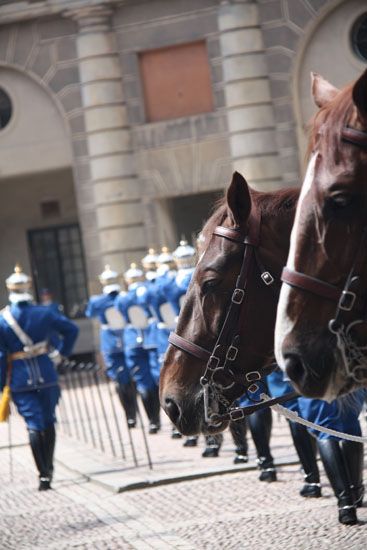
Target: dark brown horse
(262, 221)
(321, 330)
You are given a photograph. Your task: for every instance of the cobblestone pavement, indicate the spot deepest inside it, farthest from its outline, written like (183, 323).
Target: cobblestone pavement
(233, 511)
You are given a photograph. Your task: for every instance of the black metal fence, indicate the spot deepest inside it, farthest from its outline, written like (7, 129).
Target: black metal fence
(90, 411)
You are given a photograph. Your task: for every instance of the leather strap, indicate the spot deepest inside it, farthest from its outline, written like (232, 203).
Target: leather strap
(355, 137)
(9, 318)
(189, 347)
(41, 350)
(238, 413)
(315, 286)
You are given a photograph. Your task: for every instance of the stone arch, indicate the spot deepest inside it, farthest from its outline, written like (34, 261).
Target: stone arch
(285, 25)
(37, 132)
(327, 38)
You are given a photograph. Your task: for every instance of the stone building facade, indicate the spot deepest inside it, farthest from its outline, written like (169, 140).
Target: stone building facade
(123, 119)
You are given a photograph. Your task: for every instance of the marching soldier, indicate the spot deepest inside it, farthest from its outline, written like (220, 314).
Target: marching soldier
(25, 366)
(159, 296)
(137, 315)
(185, 257)
(342, 459)
(111, 340)
(156, 299)
(150, 298)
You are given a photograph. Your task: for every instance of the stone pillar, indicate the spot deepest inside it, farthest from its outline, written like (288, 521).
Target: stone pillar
(116, 192)
(250, 114)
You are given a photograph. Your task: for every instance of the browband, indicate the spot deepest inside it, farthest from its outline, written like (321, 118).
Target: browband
(315, 286)
(355, 137)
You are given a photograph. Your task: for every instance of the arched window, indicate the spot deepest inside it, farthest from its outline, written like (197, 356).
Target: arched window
(359, 37)
(5, 109)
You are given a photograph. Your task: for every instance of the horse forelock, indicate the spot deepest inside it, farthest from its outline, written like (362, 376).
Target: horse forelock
(329, 122)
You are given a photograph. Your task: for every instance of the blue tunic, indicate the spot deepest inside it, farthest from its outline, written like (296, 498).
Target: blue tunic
(33, 383)
(341, 415)
(111, 340)
(165, 289)
(55, 340)
(136, 354)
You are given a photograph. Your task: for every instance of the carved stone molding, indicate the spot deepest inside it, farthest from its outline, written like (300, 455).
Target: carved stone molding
(91, 18)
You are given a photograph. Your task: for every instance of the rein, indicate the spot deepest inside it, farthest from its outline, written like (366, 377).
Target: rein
(224, 354)
(345, 298)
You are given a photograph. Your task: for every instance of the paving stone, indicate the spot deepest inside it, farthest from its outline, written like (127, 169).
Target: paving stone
(230, 511)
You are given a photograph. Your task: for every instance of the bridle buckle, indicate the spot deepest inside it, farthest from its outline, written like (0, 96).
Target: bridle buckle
(231, 353)
(213, 363)
(347, 300)
(253, 376)
(238, 296)
(253, 388)
(236, 414)
(267, 278)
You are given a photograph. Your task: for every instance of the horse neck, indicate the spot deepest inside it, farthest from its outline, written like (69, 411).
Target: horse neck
(276, 226)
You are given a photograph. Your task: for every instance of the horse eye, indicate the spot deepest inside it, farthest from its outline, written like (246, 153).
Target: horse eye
(341, 200)
(209, 285)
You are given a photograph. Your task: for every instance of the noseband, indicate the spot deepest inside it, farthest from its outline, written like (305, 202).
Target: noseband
(346, 299)
(226, 348)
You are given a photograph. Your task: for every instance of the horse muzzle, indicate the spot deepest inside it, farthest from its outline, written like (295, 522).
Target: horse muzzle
(186, 415)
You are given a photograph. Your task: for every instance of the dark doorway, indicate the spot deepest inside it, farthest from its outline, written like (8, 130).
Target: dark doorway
(58, 265)
(189, 213)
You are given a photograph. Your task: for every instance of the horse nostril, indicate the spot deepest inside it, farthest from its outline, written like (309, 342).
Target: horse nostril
(172, 409)
(294, 367)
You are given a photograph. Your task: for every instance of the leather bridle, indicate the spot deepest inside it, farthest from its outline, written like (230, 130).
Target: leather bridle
(345, 298)
(221, 360)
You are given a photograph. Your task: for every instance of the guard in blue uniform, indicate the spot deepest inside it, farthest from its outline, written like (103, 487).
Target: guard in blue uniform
(25, 330)
(137, 315)
(185, 258)
(103, 308)
(151, 299)
(342, 460)
(47, 300)
(161, 303)
(302, 440)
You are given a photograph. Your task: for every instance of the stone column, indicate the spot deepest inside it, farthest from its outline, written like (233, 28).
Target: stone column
(250, 114)
(116, 192)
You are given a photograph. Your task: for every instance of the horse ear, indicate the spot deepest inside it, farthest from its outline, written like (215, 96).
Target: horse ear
(322, 91)
(239, 199)
(359, 95)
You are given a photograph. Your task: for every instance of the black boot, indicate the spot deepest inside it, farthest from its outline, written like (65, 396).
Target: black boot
(191, 441)
(260, 423)
(305, 447)
(238, 431)
(127, 395)
(335, 468)
(175, 434)
(37, 446)
(49, 440)
(213, 445)
(353, 457)
(152, 407)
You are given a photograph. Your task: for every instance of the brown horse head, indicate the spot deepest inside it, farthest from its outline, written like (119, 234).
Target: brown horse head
(209, 296)
(319, 330)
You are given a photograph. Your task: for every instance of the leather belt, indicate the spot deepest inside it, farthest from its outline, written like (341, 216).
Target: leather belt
(29, 352)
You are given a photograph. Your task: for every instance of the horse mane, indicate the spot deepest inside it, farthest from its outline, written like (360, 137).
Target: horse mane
(270, 204)
(330, 120)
